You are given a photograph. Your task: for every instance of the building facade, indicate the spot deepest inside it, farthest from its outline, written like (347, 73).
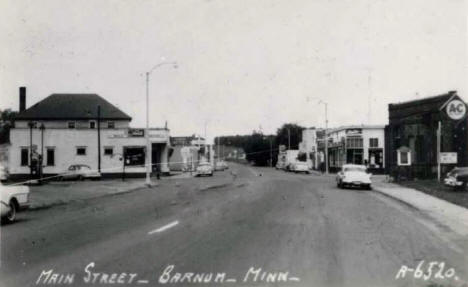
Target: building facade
(67, 129)
(186, 152)
(308, 145)
(363, 145)
(411, 135)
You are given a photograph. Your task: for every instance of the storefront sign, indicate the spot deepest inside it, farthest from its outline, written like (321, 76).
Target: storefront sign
(456, 109)
(448, 157)
(136, 132)
(350, 132)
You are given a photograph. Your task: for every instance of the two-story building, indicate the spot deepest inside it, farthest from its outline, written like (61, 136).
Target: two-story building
(66, 129)
(359, 144)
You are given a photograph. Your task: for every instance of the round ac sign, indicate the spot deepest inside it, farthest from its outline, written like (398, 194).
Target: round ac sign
(456, 109)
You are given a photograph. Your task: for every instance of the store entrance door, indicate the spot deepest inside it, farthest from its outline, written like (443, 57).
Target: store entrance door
(156, 151)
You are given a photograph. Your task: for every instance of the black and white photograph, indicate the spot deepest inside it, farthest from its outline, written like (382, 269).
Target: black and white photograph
(243, 143)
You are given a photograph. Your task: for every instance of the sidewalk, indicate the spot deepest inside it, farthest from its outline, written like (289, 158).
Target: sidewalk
(448, 214)
(58, 193)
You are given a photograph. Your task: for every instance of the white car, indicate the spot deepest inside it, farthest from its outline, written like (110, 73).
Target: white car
(204, 169)
(80, 172)
(221, 165)
(13, 199)
(300, 166)
(353, 175)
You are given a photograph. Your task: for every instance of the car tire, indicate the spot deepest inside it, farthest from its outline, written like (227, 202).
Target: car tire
(368, 187)
(11, 215)
(461, 187)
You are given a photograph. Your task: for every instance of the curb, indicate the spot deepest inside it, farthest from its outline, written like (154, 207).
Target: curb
(33, 207)
(410, 205)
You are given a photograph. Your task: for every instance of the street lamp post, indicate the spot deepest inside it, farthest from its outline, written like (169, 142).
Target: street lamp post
(147, 152)
(326, 135)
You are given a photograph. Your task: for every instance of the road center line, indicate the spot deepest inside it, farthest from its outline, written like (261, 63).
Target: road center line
(165, 227)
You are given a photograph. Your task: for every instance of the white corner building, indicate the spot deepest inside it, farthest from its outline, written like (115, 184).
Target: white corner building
(67, 129)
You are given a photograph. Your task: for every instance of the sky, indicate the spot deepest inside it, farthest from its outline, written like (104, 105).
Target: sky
(243, 65)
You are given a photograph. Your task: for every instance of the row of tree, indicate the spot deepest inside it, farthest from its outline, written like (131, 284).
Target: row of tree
(260, 149)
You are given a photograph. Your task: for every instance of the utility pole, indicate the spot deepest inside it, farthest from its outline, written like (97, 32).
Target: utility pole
(42, 127)
(326, 135)
(326, 138)
(439, 131)
(289, 138)
(271, 151)
(30, 150)
(217, 147)
(147, 152)
(99, 136)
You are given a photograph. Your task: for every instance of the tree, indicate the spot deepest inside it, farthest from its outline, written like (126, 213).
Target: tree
(292, 131)
(256, 146)
(7, 118)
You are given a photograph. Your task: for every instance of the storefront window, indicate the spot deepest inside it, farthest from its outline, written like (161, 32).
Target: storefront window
(354, 156)
(373, 142)
(24, 156)
(50, 156)
(354, 142)
(135, 156)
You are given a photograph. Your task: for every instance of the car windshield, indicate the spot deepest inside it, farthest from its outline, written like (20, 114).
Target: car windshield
(458, 170)
(354, 168)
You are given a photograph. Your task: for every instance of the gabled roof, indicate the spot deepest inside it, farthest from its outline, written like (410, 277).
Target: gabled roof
(72, 107)
(420, 106)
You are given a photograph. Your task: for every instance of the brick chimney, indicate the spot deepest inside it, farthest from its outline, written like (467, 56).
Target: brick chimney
(22, 99)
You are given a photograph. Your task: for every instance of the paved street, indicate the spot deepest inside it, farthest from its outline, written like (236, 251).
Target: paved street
(246, 226)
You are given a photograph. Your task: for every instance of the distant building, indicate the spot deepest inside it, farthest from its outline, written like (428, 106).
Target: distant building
(65, 129)
(411, 135)
(320, 154)
(308, 145)
(186, 152)
(359, 144)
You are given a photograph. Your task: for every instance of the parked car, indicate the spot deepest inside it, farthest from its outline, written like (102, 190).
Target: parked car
(221, 165)
(3, 173)
(457, 178)
(353, 175)
(300, 166)
(14, 198)
(80, 172)
(204, 169)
